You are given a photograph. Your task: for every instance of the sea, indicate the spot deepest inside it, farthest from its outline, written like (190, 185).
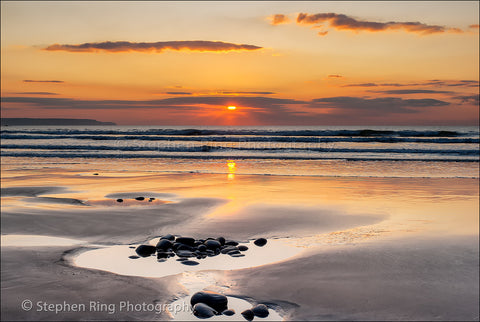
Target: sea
(372, 151)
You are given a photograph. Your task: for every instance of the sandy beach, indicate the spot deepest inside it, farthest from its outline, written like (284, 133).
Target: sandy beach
(368, 248)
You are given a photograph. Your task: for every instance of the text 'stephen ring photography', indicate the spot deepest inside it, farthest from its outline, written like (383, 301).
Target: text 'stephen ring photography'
(240, 161)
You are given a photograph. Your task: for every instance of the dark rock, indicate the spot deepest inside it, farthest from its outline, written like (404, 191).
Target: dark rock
(162, 255)
(164, 244)
(233, 252)
(182, 259)
(248, 315)
(231, 243)
(260, 310)
(151, 199)
(145, 250)
(260, 242)
(203, 311)
(133, 257)
(212, 244)
(197, 243)
(183, 247)
(131, 247)
(210, 253)
(161, 260)
(202, 248)
(140, 198)
(221, 240)
(119, 200)
(227, 249)
(185, 253)
(190, 263)
(216, 301)
(169, 237)
(95, 174)
(242, 248)
(237, 255)
(186, 241)
(229, 312)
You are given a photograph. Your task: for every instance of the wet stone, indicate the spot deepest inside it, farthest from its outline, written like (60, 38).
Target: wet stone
(260, 310)
(231, 243)
(233, 252)
(133, 257)
(212, 244)
(221, 240)
(164, 244)
(119, 200)
(229, 312)
(181, 259)
(202, 248)
(242, 248)
(162, 255)
(248, 315)
(216, 301)
(227, 249)
(260, 242)
(203, 311)
(237, 255)
(168, 237)
(145, 250)
(140, 198)
(185, 253)
(190, 263)
(189, 241)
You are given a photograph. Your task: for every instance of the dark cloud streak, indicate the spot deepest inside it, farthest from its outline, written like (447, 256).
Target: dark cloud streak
(160, 46)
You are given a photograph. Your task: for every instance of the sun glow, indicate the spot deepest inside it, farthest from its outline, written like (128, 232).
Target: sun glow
(231, 107)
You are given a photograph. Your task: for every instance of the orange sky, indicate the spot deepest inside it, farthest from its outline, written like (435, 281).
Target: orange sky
(280, 63)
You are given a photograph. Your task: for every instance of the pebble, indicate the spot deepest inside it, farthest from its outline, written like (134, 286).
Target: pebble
(168, 237)
(119, 200)
(190, 263)
(213, 244)
(221, 240)
(229, 312)
(203, 311)
(260, 310)
(185, 253)
(242, 248)
(186, 241)
(202, 248)
(237, 255)
(133, 257)
(231, 243)
(164, 244)
(162, 255)
(228, 249)
(260, 242)
(145, 250)
(216, 301)
(95, 174)
(248, 315)
(140, 198)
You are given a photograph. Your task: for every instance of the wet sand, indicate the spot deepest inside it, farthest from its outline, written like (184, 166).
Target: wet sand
(374, 248)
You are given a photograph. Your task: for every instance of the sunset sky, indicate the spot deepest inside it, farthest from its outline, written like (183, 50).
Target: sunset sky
(279, 63)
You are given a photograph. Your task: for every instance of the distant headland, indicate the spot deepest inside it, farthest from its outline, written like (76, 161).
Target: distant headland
(38, 121)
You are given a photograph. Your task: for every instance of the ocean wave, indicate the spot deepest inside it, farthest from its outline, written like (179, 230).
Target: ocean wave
(249, 132)
(303, 139)
(237, 157)
(209, 148)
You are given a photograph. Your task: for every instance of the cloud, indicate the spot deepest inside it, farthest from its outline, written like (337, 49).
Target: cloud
(344, 22)
(475, 26)
(42, 81)
(412, 91)
(474, 99)
(178, 93)
(279, 19)
(335, 76)
(254, 102)
(35, 93)
(246, 93)
(433, 82)
(361, 85)
(126, 46)
(381, 105)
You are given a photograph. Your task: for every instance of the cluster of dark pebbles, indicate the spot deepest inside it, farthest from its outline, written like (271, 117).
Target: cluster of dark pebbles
(187, 247)
(206, 304)
(139, 199)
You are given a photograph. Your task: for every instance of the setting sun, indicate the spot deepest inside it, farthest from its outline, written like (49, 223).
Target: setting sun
(231, 107)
